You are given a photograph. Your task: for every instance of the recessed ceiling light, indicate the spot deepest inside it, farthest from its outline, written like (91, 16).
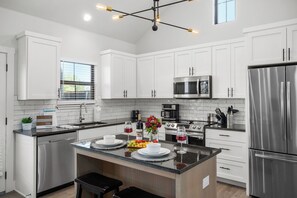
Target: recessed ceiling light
(87, 17)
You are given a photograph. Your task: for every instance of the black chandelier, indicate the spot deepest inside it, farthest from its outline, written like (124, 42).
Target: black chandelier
(156, 10)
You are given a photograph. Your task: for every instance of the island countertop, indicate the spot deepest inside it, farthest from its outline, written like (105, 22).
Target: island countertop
(181, 163)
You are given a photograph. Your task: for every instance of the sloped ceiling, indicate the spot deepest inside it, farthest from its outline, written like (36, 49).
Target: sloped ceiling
(70, 12)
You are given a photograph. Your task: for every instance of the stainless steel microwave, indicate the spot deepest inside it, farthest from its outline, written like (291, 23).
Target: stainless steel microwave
(192, 87)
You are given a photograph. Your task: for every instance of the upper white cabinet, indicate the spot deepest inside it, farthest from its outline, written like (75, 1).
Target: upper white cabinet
(155, 76)
(272, 44)
(118, 75)
(38, 66)
(196, 62)
(229, 70)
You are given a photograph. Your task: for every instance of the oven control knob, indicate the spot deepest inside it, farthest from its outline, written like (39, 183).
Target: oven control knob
(168, 125)
(172, 125)
(199, 127)
(194, 127)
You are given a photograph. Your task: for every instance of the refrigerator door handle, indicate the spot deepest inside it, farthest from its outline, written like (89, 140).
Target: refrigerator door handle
(282, 97)
(275, 158)
(289, 109)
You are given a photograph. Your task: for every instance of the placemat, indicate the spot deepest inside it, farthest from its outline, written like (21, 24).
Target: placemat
(137, 156)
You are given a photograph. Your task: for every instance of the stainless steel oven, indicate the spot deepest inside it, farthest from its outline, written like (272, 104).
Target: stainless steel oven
(192, 87)
(195, 133)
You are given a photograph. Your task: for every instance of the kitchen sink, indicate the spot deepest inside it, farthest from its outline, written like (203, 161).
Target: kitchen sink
(89, 124)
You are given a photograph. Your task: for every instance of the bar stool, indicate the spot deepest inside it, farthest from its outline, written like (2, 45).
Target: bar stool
(133, 192)
(97, 184)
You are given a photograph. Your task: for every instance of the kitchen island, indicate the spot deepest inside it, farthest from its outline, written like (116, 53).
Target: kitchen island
(189, 175)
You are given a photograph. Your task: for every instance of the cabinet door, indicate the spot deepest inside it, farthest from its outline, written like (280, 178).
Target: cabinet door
(145, 77)
(117, 79)
(202, 62)
(43, 69)
(238, 70)
(221, 71)
(130, 77)
(266, 47)
(292, 43)
(164, 74)
(183, 63)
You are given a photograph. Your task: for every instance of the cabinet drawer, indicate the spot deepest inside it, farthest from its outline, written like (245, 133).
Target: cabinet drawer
(226, 135)
(230, 150)
(235, 171)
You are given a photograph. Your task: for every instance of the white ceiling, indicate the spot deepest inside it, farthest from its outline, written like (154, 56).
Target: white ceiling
(70, 12)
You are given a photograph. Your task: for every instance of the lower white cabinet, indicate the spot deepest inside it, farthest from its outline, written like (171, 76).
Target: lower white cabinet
(232, 161)
(97, 132)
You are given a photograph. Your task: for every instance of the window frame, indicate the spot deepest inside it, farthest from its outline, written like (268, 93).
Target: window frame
(62, 101)
(216, 12)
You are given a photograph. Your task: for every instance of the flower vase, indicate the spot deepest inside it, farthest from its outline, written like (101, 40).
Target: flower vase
(154, 137)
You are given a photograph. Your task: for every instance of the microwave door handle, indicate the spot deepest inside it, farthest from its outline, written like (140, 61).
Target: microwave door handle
(198, 84)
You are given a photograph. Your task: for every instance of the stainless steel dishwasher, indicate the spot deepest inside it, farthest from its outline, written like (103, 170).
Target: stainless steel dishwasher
(55, 161)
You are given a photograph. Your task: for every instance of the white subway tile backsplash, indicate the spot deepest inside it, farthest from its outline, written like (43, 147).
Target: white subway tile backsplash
(113, 109)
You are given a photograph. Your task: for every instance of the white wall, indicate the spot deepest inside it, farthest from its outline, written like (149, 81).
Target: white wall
(77, 45)
(199, 14)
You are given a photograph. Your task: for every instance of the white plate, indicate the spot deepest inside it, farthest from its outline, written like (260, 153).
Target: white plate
(145, 152)
(115, 143)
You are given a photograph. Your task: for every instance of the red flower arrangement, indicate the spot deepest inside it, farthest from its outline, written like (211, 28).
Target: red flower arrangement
(152, 124)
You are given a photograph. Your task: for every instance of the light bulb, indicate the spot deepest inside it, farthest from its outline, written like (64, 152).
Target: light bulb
(103, 7)
(158, 18)
(117, 17)
(193, 31)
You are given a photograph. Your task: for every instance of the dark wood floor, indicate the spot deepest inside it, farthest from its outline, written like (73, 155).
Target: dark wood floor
(223, 191)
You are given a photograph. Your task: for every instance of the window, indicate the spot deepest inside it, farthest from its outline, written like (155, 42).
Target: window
(225, 11)
(77, 81)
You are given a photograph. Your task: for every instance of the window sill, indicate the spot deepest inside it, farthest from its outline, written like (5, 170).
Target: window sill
(74, 102)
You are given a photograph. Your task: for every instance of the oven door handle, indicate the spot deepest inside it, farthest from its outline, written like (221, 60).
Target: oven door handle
(170, 132)
(195, 136)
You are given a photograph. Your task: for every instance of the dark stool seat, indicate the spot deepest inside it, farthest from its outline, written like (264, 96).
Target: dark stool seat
(97, 184)
(133, 192)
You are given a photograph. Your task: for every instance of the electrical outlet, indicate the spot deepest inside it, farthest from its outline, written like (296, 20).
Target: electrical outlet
(205, 182)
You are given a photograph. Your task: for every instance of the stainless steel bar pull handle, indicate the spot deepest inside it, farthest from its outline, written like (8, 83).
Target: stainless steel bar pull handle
(283, 54)
(232, 92)
(152, 93)
(289, 54)
(225, 149)
(155, 93)
(189, 71)
(192, 71)
(228, 92)
(224, 135)
(282, 100)
(124, 93)
(275, 158)
(289, 109)
(224, 168)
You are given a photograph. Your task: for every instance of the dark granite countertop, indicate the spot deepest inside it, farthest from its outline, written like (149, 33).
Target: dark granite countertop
(54, 131)
(195, 155)
(234, 127)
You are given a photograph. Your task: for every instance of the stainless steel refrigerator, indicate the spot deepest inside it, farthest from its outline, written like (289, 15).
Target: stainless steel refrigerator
(273, 131)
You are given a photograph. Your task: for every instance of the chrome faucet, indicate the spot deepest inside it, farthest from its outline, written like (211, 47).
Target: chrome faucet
(81, 118)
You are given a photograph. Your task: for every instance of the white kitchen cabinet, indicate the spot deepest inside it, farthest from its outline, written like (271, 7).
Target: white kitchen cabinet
(155, 76)
(97, 132)
(232, 161)
(221, 66)
(195, 62)
(229, 70)
(38, 66)
(145, 77)
(292, 43)
(273, 44)
(118, 75)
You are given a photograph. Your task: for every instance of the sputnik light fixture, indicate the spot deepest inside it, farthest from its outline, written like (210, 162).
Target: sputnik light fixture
(156, 13)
